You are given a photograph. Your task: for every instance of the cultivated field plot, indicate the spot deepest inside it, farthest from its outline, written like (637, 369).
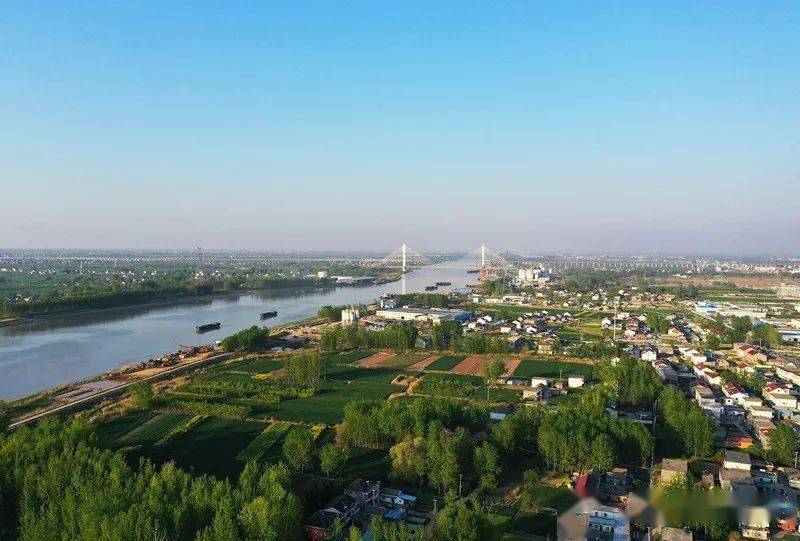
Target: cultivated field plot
(376, 360)
(263, 365)
(342, 384)
(152, 430)
(471, 365)
(424, 363)
(209, 447)
(349, 357)
(263, 442)
(449, 385)
(551, 369)
(404, 360)
(446, 363)
(111, 431)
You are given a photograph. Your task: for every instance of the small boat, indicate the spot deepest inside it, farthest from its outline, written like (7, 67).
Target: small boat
(443, 283)
(431, 288)
(209, 326)
(267, 315)
(473, 271)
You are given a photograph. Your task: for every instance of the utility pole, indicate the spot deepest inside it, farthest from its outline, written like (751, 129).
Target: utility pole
(404, 257)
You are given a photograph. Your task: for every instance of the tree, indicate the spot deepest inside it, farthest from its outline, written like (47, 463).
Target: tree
(487, 466)
(305, 368)
(461, 522)
(712, 342)
(491, 372)
(253, 339)
(354, 534)
(298, 448)
(685, 422)
(783, 444)
(332, 459)
(4, 416)
(408, 460)
(658, 323)
(766, 335)
(141, 394)
(328, 340)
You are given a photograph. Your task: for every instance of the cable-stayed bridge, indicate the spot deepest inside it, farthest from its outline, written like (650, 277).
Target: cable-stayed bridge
(406, 258)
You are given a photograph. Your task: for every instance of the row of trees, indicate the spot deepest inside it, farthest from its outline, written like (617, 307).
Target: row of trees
(305, 368)
(397, 337)
(580, 438)
(633, 383)
(685, 423)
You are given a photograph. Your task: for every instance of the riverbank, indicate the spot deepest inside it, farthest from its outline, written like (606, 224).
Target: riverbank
(47, 351)
(174, 301)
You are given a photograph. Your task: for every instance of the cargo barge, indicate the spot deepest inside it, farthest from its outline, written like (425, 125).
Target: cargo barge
(443, 283)
(209, 326)
(431, 288)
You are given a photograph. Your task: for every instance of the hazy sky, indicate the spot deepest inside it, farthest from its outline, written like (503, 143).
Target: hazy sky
(571, 127)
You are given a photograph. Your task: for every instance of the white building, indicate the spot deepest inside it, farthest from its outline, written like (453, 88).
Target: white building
(575, 381)
(735, 460)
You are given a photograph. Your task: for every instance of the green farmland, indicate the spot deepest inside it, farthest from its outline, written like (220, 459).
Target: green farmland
(342, 384)
(211, 446)
(263, 442)
(404, 360)
(445, 363)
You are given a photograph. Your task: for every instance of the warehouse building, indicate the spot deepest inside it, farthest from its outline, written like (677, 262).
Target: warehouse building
(432, 315)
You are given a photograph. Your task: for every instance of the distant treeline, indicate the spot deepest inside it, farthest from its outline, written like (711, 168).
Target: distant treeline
(114, 295)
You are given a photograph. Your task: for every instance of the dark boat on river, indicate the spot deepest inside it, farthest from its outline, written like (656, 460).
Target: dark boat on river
(431, 288)
(473, 271)
(267, 315)
(209, 326)
(443, 283)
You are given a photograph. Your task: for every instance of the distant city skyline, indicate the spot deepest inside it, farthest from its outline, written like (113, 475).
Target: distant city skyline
(564, 128)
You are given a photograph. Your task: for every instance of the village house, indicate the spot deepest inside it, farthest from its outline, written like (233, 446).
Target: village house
(779, 395)
(673, 469)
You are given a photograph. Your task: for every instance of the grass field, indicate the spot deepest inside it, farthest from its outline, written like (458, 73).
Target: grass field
(538, 523)
(367, 464)
(263, 442)
(543, 496)
(551, 369)
(446, 363)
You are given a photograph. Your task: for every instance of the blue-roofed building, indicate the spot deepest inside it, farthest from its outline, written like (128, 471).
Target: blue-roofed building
(396, 498)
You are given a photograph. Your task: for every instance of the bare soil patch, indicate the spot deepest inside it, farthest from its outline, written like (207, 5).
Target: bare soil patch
(376, 360)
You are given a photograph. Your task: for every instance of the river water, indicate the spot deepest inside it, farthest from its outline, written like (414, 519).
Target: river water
(44, 353)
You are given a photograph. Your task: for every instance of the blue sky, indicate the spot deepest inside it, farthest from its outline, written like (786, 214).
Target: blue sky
(569, 127)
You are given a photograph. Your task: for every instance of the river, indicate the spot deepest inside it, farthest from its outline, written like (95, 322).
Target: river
(44, 353)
